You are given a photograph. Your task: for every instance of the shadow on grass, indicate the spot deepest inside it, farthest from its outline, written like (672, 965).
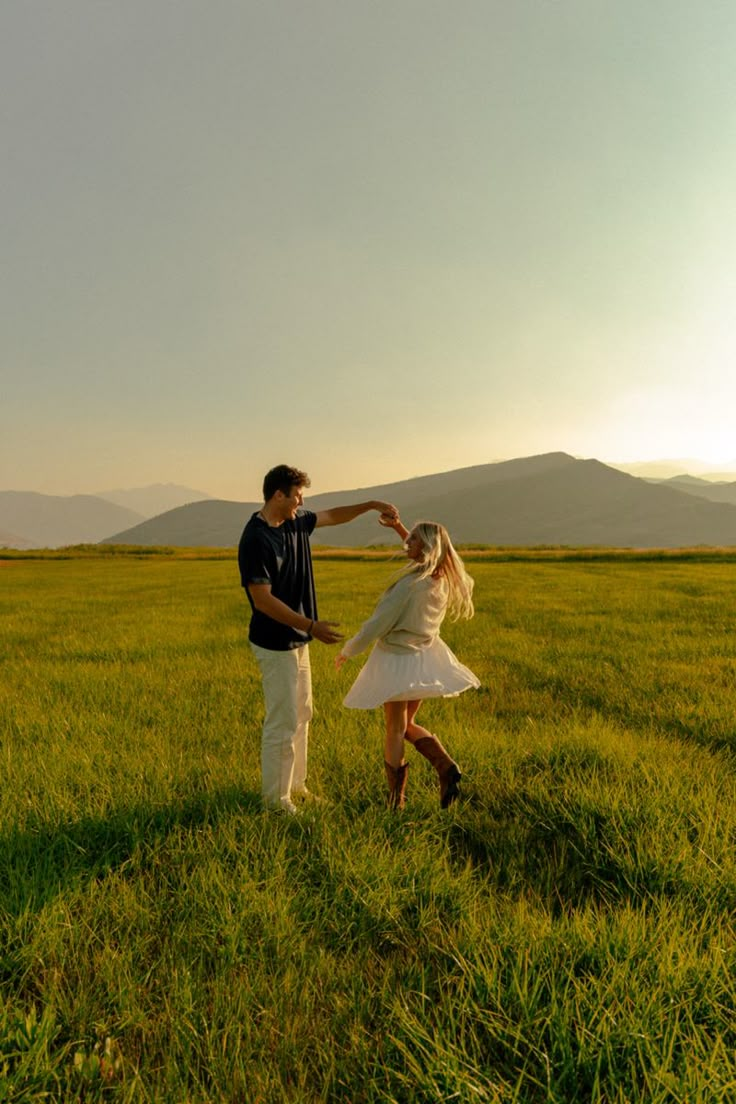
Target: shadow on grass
(39, 861)
(578, 856)
(563, 863)
(638, 710)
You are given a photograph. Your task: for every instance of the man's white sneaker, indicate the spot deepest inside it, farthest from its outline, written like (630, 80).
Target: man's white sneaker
(284, 806)
(306, 795)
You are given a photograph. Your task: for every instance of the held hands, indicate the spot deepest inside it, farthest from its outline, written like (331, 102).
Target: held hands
(389, 516)
(388, 521)
(389, 513)
(391, 520)
(324, 631)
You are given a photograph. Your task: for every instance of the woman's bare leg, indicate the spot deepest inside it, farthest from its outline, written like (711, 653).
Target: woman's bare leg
(393, 753)
(414, 731)
(396, 719)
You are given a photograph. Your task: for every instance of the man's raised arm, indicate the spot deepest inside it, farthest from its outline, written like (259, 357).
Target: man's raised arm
(339, 515)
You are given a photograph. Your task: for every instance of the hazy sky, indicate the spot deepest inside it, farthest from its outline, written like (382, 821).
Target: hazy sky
(373, 238)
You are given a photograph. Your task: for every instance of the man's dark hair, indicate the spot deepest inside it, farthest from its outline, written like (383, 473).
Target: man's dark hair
(283, 478)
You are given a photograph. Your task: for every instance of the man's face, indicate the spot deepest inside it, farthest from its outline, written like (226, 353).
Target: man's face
(289, 504)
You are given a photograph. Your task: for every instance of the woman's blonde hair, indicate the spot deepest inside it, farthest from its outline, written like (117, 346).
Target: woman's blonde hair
(440, 560)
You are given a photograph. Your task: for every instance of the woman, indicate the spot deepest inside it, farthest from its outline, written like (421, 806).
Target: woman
(409, 661)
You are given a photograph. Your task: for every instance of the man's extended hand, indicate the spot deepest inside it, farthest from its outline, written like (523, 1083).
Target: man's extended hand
(324, 631)
(386, 508)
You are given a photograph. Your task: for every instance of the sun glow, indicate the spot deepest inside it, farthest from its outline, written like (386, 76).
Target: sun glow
(657, 422)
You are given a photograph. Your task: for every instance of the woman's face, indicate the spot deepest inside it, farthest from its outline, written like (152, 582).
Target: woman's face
(414, 546)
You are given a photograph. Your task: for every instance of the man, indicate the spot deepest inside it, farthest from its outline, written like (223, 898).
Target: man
(275, 563)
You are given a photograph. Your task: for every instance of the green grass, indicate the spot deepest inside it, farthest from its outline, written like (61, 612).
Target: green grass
(563, 934)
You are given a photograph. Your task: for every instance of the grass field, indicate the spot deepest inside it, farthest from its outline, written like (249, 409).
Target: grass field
(564, 933)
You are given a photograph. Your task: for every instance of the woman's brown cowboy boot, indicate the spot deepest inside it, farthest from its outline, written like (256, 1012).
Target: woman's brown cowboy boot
(447, 769)
(396, 785)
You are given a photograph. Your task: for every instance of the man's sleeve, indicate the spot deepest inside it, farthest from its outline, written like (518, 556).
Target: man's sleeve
(309, 520)
(253, 562)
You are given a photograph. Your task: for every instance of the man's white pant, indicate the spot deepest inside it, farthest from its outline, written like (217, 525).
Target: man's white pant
(287, 690)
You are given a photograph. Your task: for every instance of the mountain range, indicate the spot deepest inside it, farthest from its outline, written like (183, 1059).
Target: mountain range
(548, 499)
(31, 520)
(552, 499)
(704, 488)
(672, 469)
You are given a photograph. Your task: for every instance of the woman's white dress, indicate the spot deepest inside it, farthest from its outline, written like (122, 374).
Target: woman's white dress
(409, 660)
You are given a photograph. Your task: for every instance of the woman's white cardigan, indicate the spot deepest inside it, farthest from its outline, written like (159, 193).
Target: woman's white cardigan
(406, 619)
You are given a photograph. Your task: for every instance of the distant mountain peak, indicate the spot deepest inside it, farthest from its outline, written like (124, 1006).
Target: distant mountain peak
(48, 521)
(677, 469)
(154, 487)
(155, 499)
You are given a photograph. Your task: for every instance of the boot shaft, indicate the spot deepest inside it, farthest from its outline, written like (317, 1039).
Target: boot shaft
(447, 769)
(396, 778)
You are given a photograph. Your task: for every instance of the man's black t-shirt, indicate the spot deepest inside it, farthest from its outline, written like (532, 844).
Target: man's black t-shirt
(281, 556)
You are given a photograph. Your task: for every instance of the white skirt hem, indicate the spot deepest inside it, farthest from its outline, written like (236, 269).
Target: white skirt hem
(432, 672)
